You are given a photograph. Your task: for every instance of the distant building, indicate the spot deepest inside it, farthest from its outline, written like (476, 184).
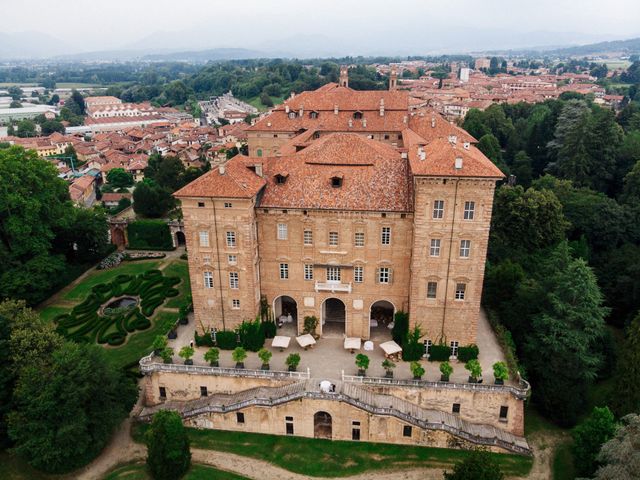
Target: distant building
(32, 111)
(482, 63)
(464, 74)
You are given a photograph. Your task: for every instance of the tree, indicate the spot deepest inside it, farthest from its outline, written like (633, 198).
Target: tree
(588, 437)
(168, 453)
(168, 172)
(86, 239)
(176, 92)
(151, 200)
(55, 99)
(119, 178)
(66, 407)
(50, 126)
(26, 128)
(15, 92)
(627, 379)
(620, 456)
(75, 104)
(477, 465)
(522, 168)
(631, 189)
(490, 146)
(15, 104)
(266, 100)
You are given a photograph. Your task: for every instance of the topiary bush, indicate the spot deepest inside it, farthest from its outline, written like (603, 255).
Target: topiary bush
(251, 335)
(470, 352)
(149, 235)
(227, 340)
(439, 353)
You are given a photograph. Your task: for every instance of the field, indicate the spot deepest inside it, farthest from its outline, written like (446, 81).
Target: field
(255, 101)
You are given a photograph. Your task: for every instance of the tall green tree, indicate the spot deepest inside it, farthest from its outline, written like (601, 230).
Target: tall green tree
(490, 146)
(168, 452)
(627, 377)
(151, 200)
(588, 437)
(478, 465)
(119, 178)
(620, 456)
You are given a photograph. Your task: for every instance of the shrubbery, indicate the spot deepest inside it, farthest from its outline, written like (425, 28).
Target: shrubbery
(413, 348)
(470, 352)
(149, 235)
(400, 327)
(251, 335)
(439, 353)
(227, 340)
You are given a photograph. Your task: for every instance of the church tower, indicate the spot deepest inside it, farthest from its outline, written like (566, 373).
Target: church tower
(393, 79)
(344, 76)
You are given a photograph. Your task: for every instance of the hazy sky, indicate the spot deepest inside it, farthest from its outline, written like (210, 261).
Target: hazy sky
(111, 24)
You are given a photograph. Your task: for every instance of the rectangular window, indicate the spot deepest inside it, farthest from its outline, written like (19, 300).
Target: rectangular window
(333, 274)
(427, 347)
(200, 204)
(308, 271)
(282, 231)
(289, 425)
(206, 259)
(233, 280)
(235, 304)
(504, 411)
(407, 431)
(333, 239)
(308, 237)
(469, 210)
(454, 348)
(438, 208)
(359, 239)
(204, 239)
(432, 289)
(240, 417)
(434, 250)
(460, 290)
(233, 259)
(358, 274)
(465, 248)
(203, 391)
(163, 392)
(384, 275)
(227, 205)
(231, 239)
(208, 279)
(455, 408)
(385, 236)
(284, 271)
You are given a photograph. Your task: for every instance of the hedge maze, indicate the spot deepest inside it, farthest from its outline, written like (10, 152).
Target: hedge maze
(85, 323)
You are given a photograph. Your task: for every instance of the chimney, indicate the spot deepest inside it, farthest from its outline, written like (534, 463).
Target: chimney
(364, 123)
(404, 155)
(268, 124)
(458, 163)
(453, 139)
(286, 108)
(258, 169)
(335, 109)
(350, 123)
(405, 119)
(344, 76)
(393, 80)
(382, 107)
(433, 122)
(301, 110)
(222, 169)
(421, 153)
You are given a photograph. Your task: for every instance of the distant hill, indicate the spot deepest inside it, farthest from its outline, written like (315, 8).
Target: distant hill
(629, 47)
(207, 55)
(28, 45)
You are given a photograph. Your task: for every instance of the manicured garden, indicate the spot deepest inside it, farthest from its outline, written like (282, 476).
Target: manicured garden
(333, 458)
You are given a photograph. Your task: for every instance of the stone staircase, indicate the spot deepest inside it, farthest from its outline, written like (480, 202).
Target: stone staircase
(352, 394)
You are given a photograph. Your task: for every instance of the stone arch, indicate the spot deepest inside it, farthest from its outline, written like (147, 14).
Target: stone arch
(322, 425)
(381, 315)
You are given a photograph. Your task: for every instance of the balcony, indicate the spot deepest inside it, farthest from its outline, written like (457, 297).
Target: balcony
(333, 287)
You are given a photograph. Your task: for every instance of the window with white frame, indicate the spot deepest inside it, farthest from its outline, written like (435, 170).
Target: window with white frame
(233, 259)
(231, 239)
(454, 348)
(465, 248)
(385, 236)
(208, 279)
(284, 271)
(206, 259)
(438, 208)
(358, 274)
(333, 239)
(469, 210)
(434, 250)
(432, 289)
(308, 271)
(460, 291)
(233, 280)
(427, 347)
(333, 274)
(308, 237)
(235, 304)
(384, 275)
(204, 239)
(358, 239)
(282, 231)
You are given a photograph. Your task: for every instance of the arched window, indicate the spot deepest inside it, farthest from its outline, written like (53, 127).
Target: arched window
(259, 152)
(357, 115)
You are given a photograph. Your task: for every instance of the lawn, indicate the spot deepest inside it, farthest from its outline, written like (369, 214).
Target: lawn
(255, 101)
(14, 468)
(138, 471)
(315, 457)
(179, 269)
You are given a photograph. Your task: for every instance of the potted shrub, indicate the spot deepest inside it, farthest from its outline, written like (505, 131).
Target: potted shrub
(475, 371)
(445, 371)
(416, 370)
(159, 344)
(187, 352)
(292, 361)
(310, 325)
(362, 362)
(173, 334)
(213, 356)
(239, 355)
(184, 315)
(388, 366)
(167, 355)
(500, 372)
(265, 355)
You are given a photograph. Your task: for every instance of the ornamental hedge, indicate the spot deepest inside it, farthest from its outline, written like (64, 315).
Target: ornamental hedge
(149, 235)
(86, 324)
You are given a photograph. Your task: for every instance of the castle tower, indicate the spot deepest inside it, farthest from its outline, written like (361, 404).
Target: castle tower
(393, 80)
(344, 76)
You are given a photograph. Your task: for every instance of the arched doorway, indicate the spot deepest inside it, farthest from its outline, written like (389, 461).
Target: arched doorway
(285, 311)
(118, 238)
(180, 239)
(322, 425)
(334, 316)
(381, 317)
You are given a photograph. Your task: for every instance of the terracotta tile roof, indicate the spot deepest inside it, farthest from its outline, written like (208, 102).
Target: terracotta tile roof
(114, 196)
(236, 182)
(430, 125)
(326, 97)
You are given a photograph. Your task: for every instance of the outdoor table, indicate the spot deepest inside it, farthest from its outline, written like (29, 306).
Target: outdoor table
(306, 341)
(391, 349)
(281, 342)
(352, 343)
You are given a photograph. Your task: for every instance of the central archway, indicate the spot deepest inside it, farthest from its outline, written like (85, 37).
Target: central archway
(334, 316)
(381, 318)
(285, 310)
(180, 239)
(322, 425)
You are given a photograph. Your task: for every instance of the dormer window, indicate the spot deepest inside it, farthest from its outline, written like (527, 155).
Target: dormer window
(280, 179)
(292, 114)
(357, 115)
(313, 114)
(336, 182)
